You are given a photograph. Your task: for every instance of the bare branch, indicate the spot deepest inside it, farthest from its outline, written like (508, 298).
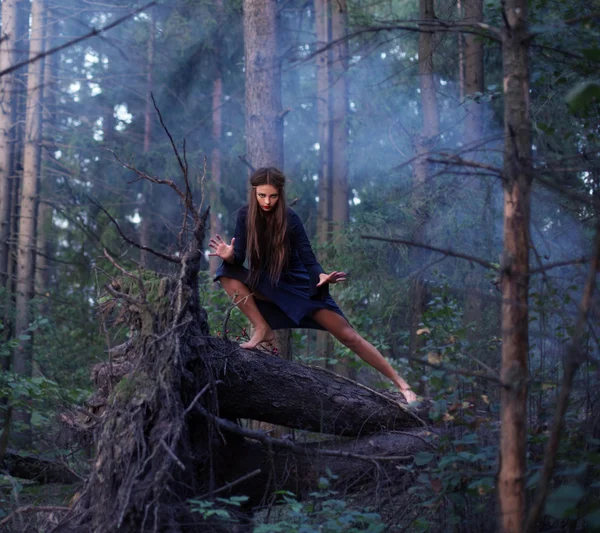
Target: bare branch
(574, 359)
(92, 33)
(170, 258)
(448, 252)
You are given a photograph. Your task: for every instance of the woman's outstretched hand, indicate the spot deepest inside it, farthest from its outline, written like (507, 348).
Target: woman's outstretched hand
(221, 248)
(334, 277)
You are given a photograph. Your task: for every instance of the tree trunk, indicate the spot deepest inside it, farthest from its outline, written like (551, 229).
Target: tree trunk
(429, 107)
(26, 253)
(147, 224)
(8, 116)
(421, 168)
(217, 133)
(264, 119)
(324, 345)
(473, 70)
(517, 176)
(42, 273)
(339, 117)
(473, 83)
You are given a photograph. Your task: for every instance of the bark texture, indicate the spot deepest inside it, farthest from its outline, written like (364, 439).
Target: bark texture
(473, 53)
(217, 133)
(26, 253)
(515, 277)
(264, 121)
(8, 115)
(325, 184)
(339, 112)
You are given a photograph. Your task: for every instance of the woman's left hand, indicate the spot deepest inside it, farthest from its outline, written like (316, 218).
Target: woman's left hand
(334, 277)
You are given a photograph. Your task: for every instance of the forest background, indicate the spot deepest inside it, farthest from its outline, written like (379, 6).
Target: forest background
(393, 121)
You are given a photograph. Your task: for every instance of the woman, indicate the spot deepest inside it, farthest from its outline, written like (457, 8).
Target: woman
(285, 286)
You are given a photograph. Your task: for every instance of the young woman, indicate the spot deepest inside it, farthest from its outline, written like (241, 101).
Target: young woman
(285, 286)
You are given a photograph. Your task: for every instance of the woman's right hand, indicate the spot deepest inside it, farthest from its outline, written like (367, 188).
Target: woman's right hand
(221, 248)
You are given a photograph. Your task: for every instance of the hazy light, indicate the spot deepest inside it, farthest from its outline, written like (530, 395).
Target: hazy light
(57, 154)
(135, 218)
(383, 55)
(316, 146)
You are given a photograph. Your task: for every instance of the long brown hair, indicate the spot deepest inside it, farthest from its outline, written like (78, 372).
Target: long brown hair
(266, 243)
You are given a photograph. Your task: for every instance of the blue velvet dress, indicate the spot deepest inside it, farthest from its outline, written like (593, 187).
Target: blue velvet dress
(294, 299)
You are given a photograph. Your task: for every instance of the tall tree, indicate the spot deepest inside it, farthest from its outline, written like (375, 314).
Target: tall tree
(264, 118)
(473, 84)
(26, 252)
(421, 168)
(217, 129)
(517, 178)
(339, 113)
(8, 113)
(325, 186)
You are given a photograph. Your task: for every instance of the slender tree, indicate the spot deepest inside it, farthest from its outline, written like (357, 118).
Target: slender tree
(421, 168)
(517, 178)
(8, 113)
(325, 188)
(217, 130)
(26, 252)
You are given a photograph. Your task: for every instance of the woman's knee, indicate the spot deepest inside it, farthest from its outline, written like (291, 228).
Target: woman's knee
(231, 285)
(349, 337)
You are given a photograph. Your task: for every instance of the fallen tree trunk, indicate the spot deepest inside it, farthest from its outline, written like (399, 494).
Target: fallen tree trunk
(164, 416)
(38, 469)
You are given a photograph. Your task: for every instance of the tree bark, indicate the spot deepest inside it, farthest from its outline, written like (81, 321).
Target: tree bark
(8, 115)
(42, 272)
(517, 175)
(421, 168)
(26, 253)
(431, 115)
(339, 108)
(217, 133)
(147, 224)
(473, 72)
(324, 344)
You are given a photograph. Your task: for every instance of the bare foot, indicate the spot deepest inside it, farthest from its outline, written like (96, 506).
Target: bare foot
(259, 336)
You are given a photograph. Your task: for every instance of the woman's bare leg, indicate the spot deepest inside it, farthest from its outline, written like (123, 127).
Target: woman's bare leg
(247, 305)
(338, 326)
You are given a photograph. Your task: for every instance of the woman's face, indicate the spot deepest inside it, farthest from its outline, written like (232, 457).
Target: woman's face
(267, 197)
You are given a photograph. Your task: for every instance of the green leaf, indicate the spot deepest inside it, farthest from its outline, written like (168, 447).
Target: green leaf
(563, 500)
(422, 458)
(582, 95)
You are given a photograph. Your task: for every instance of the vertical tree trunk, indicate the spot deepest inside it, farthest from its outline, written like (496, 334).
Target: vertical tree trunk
(473, 83)
(473, 71)
(8, 115)
(217, 132)
(461, 55)
(26, 252)
(515, 267)
(324, 344)
(339, 108)
(339, 128)
(147, 224)
(421, 168)
(42, 273)
(264, 121)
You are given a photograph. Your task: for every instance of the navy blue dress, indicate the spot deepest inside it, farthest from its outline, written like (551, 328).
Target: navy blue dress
(296, 296)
